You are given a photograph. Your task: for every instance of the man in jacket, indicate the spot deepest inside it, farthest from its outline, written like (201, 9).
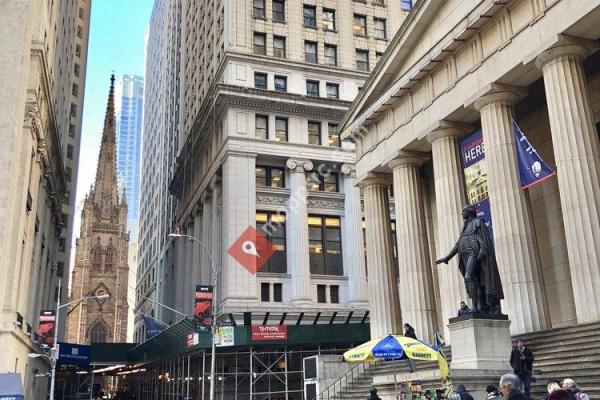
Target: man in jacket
(521, 360)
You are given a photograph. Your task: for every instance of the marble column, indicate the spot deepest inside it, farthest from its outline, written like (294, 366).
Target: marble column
(383, 292)
(197, 254)
(298, 260)
(449, 201)
(205, 264)
(216, 243)
(577, 154)
(414, 266)
(190, 267)
(352, 239)
(515, 244)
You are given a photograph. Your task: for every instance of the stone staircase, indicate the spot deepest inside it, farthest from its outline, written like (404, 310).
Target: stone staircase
(572, 352)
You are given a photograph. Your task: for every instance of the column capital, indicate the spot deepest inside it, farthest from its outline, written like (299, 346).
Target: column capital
(375, 179)
(348, 169)
(299, 165)
(404, 158)
(566, 45)
(496, 93)
(444, 128)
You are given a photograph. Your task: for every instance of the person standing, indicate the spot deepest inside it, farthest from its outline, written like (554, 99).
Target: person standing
(464, 309)
(576, 393)
(409, 331)
(373, 395)
(521, 361)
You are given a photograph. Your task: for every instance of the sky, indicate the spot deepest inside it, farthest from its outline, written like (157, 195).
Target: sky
(117, 43)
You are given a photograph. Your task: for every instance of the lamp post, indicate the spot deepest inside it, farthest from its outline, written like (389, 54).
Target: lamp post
(213, 271)
(54, 351)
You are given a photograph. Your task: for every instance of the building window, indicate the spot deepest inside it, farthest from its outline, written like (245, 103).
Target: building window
(380, 29)
(68, 173)
(314, 132)
(360, 25)
(272, 225)
(98, 333)
(29, 202)
(325, 245)
(334, 294)
(333, 91)
(333, 135)
(312, 88)
(261, 130)
(60, 269)
(310, 16)
(281, 129)
(330, 54)
(258, 9)
(321, 297)
(76, 69)
(318, 182)
(406, 5)
(69, 151)
(362, 60)
(279, 10)
(73, 110)
(71, 130)
(279, 46)
(329, 19)
(280, 83)
(270, 177)
(310, 52)
(260, 46)
(265, 290)
(277, 293)
(79, 32)
(97, 259)
(75, 90)
(62, 244)
(78, 50)
(378, 56)
(260, 80)
(81, 14)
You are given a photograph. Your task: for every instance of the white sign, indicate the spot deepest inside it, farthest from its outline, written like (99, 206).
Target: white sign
(225, 336)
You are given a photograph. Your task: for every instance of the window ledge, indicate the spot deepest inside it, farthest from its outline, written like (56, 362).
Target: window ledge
(278, 275)
(323, 277)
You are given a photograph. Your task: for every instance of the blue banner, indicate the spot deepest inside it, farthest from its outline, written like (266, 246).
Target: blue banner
(74, 354)
(532, 168)
(153, 327)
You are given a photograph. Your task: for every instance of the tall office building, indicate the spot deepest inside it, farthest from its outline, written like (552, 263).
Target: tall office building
(42, 63)
(129, 103)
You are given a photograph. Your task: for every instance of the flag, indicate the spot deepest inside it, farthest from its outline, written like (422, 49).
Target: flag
(532, 168)
(438, 341)
(203, 307)
(153, 326)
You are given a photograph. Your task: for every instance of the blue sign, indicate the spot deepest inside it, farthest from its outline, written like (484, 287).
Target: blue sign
(74, 354)
(532, 168)
(153, 327)
(472, 149)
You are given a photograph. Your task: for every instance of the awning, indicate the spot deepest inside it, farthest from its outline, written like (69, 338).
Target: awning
(11, 387)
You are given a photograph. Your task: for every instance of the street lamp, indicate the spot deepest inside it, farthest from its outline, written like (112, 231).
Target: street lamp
(213, 271)
(54, 351)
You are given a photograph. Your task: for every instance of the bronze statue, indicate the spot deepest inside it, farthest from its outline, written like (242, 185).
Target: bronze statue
(477, 263)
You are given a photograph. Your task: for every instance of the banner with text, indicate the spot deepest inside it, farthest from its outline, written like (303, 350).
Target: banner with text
(46, 328)
(532, 168)
(476, 177)
(203, 307)
(225, 336)
(74, 354)
(153, 326)
(274, 332)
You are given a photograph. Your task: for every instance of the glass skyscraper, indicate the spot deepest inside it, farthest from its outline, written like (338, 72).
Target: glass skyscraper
(129, 107)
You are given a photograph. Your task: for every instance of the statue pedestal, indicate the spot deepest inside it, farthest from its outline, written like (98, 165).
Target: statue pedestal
(480, 342)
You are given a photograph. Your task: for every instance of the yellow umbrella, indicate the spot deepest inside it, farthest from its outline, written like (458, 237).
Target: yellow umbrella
(396, 347)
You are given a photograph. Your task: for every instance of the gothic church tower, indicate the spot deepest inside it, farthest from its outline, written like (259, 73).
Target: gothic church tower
(101, 251)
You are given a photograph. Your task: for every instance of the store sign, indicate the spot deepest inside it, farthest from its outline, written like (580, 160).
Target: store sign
(193, 339)
(74, 354)
(225, 336)
(275, 332)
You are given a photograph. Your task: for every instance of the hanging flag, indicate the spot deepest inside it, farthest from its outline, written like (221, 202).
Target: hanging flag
(153, 326)
(46, 327)
(532, 168)
(203, 307)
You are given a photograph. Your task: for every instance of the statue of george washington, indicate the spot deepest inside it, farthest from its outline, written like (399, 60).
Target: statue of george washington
(477, 263)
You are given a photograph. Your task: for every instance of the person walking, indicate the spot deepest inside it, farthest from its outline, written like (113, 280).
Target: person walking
(409, 331)
(576, 393)
(462, 391)
(521, 361)
(510, 387)
(373, 395)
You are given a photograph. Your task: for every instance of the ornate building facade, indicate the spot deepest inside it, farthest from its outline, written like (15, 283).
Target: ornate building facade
(101, 265)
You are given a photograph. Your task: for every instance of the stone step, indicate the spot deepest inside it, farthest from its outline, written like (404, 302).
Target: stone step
(581, 337)
(565, 350)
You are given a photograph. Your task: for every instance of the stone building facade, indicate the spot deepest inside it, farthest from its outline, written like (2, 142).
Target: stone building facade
(43, 61)
(453, 67)
(262, 87)
(101, 258)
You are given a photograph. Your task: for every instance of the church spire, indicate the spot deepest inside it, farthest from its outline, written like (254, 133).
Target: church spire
(105, 190)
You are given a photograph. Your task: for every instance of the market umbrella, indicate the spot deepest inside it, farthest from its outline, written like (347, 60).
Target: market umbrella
(396, 347)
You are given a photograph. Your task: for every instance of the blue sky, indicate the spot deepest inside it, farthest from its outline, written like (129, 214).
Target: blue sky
(117, 43)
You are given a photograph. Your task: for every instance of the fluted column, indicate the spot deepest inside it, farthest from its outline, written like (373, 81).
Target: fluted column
(197, 254)
(383, 293)
(297, 232)
(414, 265)
(516, 248)
(449, 201)
(216, 243)
(190, 267)
(353, 254)
(577, 156)
(204, 265)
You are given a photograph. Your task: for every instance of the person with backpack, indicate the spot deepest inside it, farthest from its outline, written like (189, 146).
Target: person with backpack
(373, 395)
(576, 393)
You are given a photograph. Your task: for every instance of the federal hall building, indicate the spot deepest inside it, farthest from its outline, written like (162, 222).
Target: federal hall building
(460, 67)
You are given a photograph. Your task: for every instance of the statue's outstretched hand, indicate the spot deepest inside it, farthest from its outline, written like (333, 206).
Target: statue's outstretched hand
(442, 260)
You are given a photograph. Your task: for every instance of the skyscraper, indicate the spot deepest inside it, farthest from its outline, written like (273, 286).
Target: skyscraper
(129, 102)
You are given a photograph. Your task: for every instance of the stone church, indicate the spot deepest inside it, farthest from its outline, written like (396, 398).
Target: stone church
(101, 252)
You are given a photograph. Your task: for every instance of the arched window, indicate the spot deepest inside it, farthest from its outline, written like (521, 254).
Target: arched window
(98, 333)
(97, 259)
(109, 260)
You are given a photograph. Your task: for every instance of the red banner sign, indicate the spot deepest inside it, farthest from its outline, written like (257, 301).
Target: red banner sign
(203, 307)
(46, 329)
(274, 332)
